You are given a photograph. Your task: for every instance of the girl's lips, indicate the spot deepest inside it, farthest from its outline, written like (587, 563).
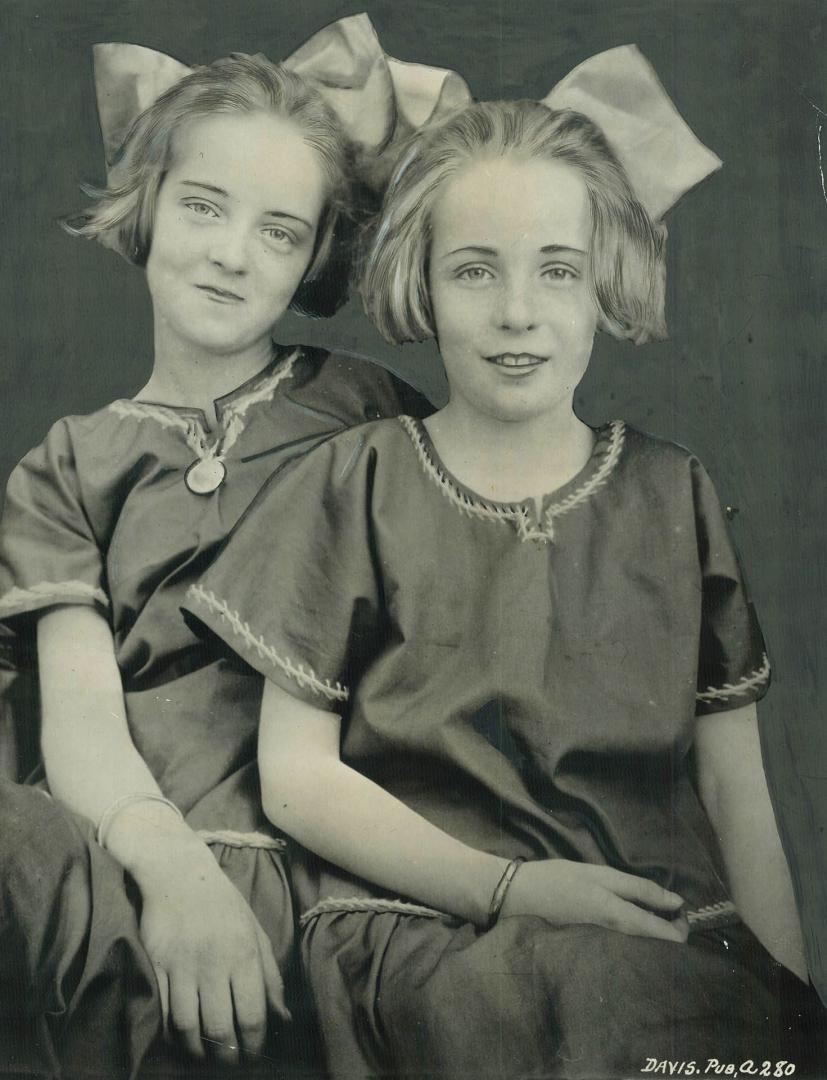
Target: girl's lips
(516, 360)
(223, 295)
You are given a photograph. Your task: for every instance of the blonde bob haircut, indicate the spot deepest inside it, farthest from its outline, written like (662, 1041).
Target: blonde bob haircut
(626, 254)
(123, 212)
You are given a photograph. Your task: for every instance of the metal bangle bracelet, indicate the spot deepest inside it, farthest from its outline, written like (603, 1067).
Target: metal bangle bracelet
(498, 898)
(112, 811)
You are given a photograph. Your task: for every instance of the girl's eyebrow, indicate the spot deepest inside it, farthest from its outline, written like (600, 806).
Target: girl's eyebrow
(286, 214)
(547, 249)
(471, 247)
(206, 187)
(552, 249)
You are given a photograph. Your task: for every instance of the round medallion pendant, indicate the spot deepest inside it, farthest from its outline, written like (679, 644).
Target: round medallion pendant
(205, 476)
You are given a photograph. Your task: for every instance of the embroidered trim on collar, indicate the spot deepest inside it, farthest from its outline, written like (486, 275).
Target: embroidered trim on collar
(304, 676)
(516, 513)
(16, 600)
(232, 421)
(729, 690)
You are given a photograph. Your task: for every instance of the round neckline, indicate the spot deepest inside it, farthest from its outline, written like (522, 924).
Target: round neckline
(604, 436)
(220, 404)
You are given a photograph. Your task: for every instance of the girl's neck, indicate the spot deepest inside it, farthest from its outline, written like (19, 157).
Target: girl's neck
(509, 461)
(183, 375)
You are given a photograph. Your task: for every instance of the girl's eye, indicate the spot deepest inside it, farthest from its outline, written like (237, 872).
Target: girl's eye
(560, 273)
(474, 274)
(202, 209)
(279, 236)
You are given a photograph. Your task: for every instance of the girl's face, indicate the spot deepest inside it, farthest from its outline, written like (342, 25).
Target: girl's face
(509, 287)
(234, 229)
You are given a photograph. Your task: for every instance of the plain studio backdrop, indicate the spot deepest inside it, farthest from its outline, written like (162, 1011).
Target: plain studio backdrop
(741, 380)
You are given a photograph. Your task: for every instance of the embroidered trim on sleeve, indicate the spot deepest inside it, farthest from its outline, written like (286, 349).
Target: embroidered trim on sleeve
(230, 838)
(369, 906)
(729, 690)
(515, 513)
(724, 913)
(304, 676)
(16, 601)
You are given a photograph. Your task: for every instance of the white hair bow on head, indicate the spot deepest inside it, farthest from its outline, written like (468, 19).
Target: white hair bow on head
(619, 91)
(380, 101)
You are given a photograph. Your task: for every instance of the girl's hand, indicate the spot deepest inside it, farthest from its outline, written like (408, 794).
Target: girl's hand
(216, 972)
(564, 892)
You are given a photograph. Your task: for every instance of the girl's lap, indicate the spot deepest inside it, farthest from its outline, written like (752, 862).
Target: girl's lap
(402, 994)
(77, 987)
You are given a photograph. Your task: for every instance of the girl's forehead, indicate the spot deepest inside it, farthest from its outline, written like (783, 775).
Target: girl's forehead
(224, 136)
(507, 197)
(255, 156)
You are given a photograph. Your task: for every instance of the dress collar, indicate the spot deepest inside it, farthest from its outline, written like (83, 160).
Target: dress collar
(252, 387)
(608, 446)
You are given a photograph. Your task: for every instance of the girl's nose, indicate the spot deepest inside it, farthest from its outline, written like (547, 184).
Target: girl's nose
(228, 249)
(516, 309)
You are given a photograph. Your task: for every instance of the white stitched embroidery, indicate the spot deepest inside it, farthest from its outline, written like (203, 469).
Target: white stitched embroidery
(19, 600)
(194, 435)
(233, 839)
(728, 690)
(519, 515)
(304, 676)
(369, 906)
(713, 914)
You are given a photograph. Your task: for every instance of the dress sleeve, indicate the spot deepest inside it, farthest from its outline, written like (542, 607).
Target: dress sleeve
(295, 590)
(733, 667)
(48, 551)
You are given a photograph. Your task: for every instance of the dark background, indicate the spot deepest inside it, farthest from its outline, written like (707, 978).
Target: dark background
(742, 379)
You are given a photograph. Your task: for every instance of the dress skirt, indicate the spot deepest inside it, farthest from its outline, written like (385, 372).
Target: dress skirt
(416, 997)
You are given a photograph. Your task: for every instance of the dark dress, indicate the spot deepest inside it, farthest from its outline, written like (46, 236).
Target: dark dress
(531, 687)
(100, 515)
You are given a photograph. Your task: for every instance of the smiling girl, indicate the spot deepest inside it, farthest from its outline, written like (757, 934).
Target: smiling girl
(521, 665)
(228, 189)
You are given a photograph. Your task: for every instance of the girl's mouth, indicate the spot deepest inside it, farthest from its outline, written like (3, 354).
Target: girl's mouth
(516, 360)
(222, 295)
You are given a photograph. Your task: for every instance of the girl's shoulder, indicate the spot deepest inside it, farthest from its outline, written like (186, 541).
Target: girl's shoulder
(655, 457)
(663, 477)
(78, 432)
(645, 446)
(352, 467)
(355, 386)
(381, 446)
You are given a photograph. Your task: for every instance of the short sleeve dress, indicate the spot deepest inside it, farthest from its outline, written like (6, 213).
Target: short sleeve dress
(103, 514)
(529, 685)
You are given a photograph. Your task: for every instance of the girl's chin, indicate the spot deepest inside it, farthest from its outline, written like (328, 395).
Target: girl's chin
(526, 410)
(226, 345)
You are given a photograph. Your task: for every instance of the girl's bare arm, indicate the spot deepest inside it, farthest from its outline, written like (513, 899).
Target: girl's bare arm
(734, 792)
(204, 964)
(347, 819)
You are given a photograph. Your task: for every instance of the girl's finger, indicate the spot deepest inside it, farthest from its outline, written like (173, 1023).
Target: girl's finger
(250, 1007)
(630, 919)
(163, 994)
(183, 1013)
(217, 1026)
(640, 889)
(273, 983)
